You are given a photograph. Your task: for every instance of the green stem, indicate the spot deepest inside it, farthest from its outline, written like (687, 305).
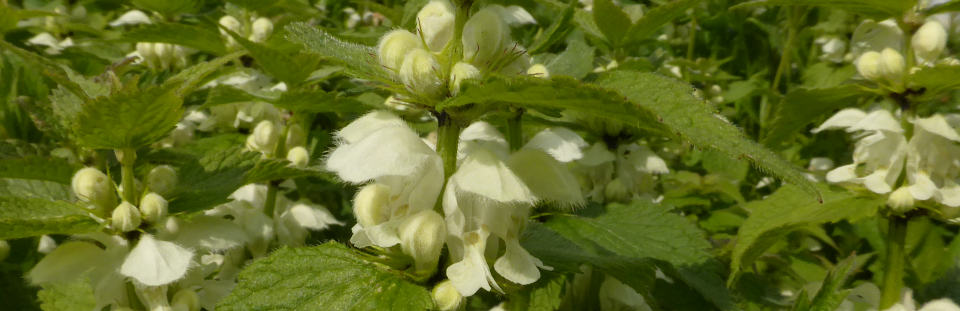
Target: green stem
(893, 268)
(692, 41)
(127, 157)
(271, 201)
(448, 138)
(782, 67)
(515, 130)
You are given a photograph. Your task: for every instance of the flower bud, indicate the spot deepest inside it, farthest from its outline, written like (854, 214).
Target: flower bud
(370, 205)
(484, 36)
(147, 53)
(229, 22)
(420, 72)
(185, 300)
(928, 42)
(46, 244)
(164, 53)
(298, 156)
(162, 179)
(153, 207)
(435, 22)
(461, 71)
(92, 186)
(394, 46)
(421, 237)
(539, 71)
(262, 28)
(900, 200)
(446, 296)
(892, 65)
(264, 137)
(4, 250)
(616, 191)
(125, 217)
(868, 65)
(295, 136)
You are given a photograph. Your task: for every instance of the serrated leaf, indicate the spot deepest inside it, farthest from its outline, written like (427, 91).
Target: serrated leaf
(831, 293)
(935, 81)
(652, 20)
(693, 120)
(188, 79)
(555, 32)
(611, 20)
(289, 67)
(317, 101)
(359, 60)
(576, 61)
(32, 188)
(37, 167)
(207, 181)
(25, 217)
(204, 39)
(76, 295)
(802, 106)
(167, 7)
(330, 275)
(788, 209)
(544, 295)
(129, 118)
(880, 9)
(226, 94)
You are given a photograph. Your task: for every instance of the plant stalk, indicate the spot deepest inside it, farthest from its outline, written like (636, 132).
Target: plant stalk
(515, 130)
(127, 157)
(448, 138)
(893, 268)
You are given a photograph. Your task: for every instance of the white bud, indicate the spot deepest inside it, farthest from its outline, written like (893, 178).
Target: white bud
(46, 244)
(539, 71)
(928, 42)
(164, 53)
(298, 156)
(147, 53)
(262, 28)
(162, 179)
(900, 200)
(420, 72)
(185, 300)
(264, 137)
(868, 65)
(446, 296)
(295, 136)
(460, 72)
(435, 22)
(394, 46)
(484, 37)
(4, 250)
(93, 186)
(231, 23)
(421, 237)
(370, 205)
(892, 65)
(153, 207)
(125, 217)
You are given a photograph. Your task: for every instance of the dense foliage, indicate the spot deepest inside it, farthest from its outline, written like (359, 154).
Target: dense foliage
(190, 155)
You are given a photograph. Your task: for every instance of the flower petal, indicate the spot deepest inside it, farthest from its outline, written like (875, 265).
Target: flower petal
(842, 119)
(548, 179)
(155, 263)
(561, 143)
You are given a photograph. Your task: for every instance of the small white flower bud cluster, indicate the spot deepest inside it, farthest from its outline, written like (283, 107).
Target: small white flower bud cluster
(486, 46)
(885, 63)
(92, 186)
(161, 56)
(256, 30)
(266, 136)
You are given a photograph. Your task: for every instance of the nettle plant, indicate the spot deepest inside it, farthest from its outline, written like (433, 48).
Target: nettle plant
(460, 154)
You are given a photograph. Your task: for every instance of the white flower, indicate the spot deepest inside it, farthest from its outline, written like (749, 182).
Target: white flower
(485, 35)
(515, 15)
(421, 73)
(614, 295)
(185, 300)
(210, 234)
(294, 223)
(132, 17)
(162, 179)
(54, 45)
(460, 72)
(832, 48)
(46, 244)
(262, 28)
(394, 46)
(435, 24)
(93, 186)
(298, 156)
(421, 237)
(154, 263)
(929, 41)
(153, 207)
(446, 296)
(264, 138)
(126, 217)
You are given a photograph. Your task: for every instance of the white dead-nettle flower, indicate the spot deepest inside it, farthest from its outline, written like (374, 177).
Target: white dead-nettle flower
(230, 23)
(93, 186)
(446, 296)
(486, 38)
(126, 217)
(261, 29)
(132, 17)
(407, 175)
(74, 259)
(153, 208)
(46, 244)
(162, 179)
(422, 237)
(614, 295)
(832, 48)
(876, 36)
(264, 138)
(539, 71)
(515, 15)
(561, 143)
(154, 262)
(929, 41)
(868, 65)
(435, 23)
(298, 156)
(394, 46)
(54, 45)
(892, 66)
(422, 74)
(882, 153)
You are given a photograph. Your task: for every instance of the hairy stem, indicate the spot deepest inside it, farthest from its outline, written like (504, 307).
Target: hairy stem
(893, 267)
(270, 203)
(448, 137)
(515, 130)
(127, 157)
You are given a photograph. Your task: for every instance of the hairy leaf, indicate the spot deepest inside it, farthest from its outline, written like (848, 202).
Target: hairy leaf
(76, 295)
(802, 106)
(873, 8)
(359, 60)
(612, 21)
(204, 39)
(24, 217)
(330, 275)
(129, 118)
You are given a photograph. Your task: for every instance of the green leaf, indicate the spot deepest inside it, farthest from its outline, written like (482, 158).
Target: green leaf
(190, 78)
(317, 101)
(555, 32)
(802, 106)
(37, 167)
(289, 67)
(200, 38)
(544, 295)
(831, 293)
(130, 118)
(207, 181)
(612, 21)
(880, 9)
(25, 217)
(226, 94)
(330, 275)
(935, 80)
(359, 60)
(652, 20)
(167, 7)
(576, 61)
(694, 121)
(945, 7)
(76, 295)
(33, 188)
(788, 209)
